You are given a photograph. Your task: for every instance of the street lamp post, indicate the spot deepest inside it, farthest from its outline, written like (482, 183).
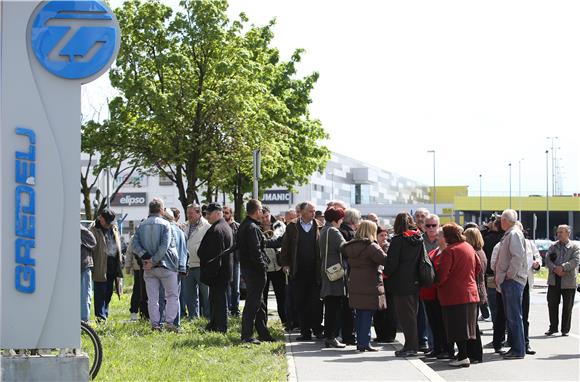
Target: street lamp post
(520, 188)
(547, 197)
(510, 166)
(434, 188)
(480, 203)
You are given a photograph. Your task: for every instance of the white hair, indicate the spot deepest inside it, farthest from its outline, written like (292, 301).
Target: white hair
(423, 210)
(336, 203)
(510, 215)
(432, 216)
(352, 216)
(566, 227)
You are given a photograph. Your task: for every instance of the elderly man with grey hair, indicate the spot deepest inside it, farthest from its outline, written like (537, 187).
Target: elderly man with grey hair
(511, 276)
(420, 216)
(350, 223)
(562, 263)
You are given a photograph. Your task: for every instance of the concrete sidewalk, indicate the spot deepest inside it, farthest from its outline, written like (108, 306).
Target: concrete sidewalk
(311, 361)
(557, 358)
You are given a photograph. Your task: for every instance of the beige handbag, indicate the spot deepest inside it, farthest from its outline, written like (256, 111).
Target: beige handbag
(334, 272)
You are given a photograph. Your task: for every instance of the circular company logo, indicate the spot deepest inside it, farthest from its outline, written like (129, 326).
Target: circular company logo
(75, 39)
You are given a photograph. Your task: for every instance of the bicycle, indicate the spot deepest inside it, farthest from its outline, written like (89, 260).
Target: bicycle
(91, 345)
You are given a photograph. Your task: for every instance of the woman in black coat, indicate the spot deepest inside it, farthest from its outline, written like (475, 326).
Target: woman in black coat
(403, 279)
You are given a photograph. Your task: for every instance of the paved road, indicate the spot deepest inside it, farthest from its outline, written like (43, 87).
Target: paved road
(557, 358)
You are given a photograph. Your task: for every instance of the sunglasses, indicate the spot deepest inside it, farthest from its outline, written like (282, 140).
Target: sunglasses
(431, 225)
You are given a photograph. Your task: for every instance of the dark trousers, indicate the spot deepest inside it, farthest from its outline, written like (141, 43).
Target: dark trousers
(406, 307)
(338, 315)
(254, 309)
(139, 295)
(435, 316)
(526, 313)
(278, 280)
(475, 347)
(218, 301)
(499, 325)
(103, 291)
(385, 321)
(291, 310)
(423, 328)
(555, 293)
(307, 297)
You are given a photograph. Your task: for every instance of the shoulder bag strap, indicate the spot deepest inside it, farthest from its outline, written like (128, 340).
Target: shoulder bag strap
(326, 251)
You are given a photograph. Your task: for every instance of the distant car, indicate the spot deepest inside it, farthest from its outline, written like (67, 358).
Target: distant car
(543, 246)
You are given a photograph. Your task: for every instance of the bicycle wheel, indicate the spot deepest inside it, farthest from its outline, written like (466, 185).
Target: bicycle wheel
(91, 345)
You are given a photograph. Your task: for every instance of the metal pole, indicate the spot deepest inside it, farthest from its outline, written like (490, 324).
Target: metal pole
(510, 166)
(547, 197)
(108, 187)
(480, 203)
(520, 188)
(434, 184)
(256, 173)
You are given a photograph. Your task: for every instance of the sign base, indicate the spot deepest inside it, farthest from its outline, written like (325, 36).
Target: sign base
(44, 368)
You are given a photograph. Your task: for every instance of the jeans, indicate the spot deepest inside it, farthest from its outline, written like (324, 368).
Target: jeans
(364, 319)
(192, 292)
(512, 293)
(86, 294)
(162, 303)
(153, 280)
(234, 290)
(423, 329)
(103, 291)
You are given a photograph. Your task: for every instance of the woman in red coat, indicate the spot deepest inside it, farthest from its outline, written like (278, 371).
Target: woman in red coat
(457, 291)
(441, 348)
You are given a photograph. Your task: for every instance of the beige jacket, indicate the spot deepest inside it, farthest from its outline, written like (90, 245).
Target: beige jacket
(512, 261)
(194, 241)
(570, 264)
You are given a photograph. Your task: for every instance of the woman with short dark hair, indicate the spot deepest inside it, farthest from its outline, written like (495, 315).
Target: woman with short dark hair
(457, 292)
(401, 268)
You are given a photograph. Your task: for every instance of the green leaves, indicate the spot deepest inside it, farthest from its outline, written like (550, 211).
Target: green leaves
(199, 93)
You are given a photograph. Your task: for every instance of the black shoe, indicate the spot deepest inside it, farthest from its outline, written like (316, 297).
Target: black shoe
(349, 341)
(424, 348)
(550, 332)
(319, 335)
(252, 341)
(366, 348)
(529, 350)
(333, 343)
(405, 353)
(432, 354)
(304, 338)
(510, 355)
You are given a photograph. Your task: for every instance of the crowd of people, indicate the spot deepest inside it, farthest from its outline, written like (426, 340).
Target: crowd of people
(334, 275)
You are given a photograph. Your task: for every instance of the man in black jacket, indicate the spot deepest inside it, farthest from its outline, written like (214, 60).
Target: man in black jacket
(216, 266)
(254, 265)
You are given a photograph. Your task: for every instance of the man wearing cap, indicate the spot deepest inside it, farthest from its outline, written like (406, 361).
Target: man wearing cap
(106, 261)
(216, 266)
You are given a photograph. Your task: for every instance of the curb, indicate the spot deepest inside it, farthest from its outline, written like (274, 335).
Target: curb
(292, 377)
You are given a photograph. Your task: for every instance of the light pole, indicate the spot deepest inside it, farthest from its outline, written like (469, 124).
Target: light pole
(510, 166)
(480, 203)
(434, 189)
(553, 165)
(520, 188)
(547, 197)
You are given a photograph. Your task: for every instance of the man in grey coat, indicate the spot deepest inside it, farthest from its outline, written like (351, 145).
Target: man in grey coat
(562, 263)
(511, 277)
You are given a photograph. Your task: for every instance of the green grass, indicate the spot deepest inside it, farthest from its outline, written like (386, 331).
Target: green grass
(132, 352)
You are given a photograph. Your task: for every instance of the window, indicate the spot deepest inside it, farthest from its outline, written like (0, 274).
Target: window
(165, 181)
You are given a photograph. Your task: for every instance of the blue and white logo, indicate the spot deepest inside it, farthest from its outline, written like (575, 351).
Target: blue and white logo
(75, 39)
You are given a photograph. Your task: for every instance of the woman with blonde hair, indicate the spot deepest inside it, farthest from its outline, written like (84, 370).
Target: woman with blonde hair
(365, 284)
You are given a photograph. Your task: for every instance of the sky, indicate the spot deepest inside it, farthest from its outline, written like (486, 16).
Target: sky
(481, 83)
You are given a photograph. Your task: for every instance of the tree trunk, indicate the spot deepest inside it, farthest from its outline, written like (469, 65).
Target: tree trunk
(238, 197)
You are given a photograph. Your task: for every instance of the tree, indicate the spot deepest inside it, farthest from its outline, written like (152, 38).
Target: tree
(206, 93)
(104, 143)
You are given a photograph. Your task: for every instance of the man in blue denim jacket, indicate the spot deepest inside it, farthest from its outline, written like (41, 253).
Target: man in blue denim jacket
(155, 244)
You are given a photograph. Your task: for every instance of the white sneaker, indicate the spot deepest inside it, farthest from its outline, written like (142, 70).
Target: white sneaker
(134, 317)
(463, 363)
